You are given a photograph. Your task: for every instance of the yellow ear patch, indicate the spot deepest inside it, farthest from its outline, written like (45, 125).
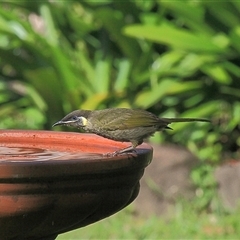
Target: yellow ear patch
(84, 121)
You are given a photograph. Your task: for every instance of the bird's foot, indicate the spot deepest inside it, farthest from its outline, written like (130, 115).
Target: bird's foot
(132, 151)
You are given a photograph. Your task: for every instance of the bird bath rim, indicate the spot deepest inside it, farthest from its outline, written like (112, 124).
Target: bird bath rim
(74, 148)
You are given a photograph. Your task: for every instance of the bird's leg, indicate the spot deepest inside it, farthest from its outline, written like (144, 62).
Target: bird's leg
(124, 150)
(131, 148)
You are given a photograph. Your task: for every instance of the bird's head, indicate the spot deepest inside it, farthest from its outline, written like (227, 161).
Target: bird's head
(76, 119)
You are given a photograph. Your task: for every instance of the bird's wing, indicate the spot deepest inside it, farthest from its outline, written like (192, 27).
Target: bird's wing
(128, 119)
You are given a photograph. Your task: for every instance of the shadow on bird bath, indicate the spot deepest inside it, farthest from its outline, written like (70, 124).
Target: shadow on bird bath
(53, 182)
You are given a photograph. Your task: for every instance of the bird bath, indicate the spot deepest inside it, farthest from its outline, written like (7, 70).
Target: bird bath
(54, 182)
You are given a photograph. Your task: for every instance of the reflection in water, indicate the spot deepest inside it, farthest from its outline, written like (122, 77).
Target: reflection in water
(23, 154)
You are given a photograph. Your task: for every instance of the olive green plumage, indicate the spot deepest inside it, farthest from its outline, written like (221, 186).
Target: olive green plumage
(121, 124)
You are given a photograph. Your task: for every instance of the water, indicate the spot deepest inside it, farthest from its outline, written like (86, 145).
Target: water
(26, 154)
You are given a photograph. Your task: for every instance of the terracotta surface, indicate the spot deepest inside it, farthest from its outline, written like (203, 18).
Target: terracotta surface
(53, 182)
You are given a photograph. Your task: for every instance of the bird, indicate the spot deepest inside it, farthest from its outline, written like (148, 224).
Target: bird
(121, 124)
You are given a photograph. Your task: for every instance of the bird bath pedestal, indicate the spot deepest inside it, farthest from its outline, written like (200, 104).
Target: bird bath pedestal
(54, 182)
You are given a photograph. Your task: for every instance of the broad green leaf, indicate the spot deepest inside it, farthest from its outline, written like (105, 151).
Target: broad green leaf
(113, 21)
(80, 19)
(217, 73)
(192, 14)
(228, 16)
(232, 68)
(7, 109)
(51, 33)
(193, 100)
(166, 61)
(93, 102)
(8, 17)
(102, 76)
(221, 40)
(166, 87)
(231, 91)
(85, 64)
(171, 36)
(236, 5)
(235, 38)
(36, 98)
(203, 110)
(52, 94)
(123, 75)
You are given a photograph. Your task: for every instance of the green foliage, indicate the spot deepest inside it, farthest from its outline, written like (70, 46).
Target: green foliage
(186, 224)
(174, 58)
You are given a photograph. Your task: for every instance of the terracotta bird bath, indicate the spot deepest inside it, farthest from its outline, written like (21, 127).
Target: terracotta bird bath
(53, 182)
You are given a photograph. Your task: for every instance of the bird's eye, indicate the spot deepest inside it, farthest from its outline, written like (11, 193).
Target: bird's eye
(74, 118)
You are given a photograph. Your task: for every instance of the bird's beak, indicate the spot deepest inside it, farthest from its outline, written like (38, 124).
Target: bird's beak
(61, 122)
(58, 123)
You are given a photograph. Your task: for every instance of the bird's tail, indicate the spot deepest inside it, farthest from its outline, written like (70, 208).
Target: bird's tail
(171, 120)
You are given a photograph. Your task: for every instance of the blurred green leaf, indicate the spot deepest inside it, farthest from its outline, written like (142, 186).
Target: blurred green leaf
(176, 38)
(165, 87)
(235, 38)
(94, 102)
(193, 14)
(51, 94)
(123, 75)
(218, 73)
(228, 15)
(51, 32)
(203, 109)
(102, 76)
(114, 22)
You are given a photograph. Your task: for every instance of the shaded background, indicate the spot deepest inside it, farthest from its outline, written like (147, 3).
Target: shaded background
(173, 58)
